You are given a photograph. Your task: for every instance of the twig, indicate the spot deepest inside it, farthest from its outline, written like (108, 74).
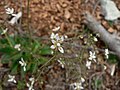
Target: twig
(110, 39)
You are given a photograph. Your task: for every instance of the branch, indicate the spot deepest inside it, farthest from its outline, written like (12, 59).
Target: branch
(110, 39)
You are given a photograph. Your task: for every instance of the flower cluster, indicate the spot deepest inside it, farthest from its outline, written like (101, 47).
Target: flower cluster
(30, 86)
(106, 53)
(57, 40)
(11, 79)
(15, 17)
(92, 56)
(78, 86)
(23, 64)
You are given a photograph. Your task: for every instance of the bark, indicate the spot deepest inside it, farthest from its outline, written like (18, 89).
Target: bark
(110, 39)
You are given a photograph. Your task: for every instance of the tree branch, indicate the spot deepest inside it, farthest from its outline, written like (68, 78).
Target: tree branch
(110, 39)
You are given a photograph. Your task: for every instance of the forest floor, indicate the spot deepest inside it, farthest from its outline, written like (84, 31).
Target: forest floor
(44, 16)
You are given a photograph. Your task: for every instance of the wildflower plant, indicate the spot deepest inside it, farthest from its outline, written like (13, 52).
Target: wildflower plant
(57, 40)
(21, 53)
(78, 85)
(26, 54)
(15, 17)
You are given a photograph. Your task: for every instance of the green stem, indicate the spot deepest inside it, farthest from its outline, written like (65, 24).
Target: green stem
(8, 40)
(44, 66)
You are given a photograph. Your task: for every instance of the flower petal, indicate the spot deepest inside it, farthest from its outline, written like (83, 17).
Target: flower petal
(53, 41)
(61, 49)
(53, 47)
(52, 36)
(56, 29)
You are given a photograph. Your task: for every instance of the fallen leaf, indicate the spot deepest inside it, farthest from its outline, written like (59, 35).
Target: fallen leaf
(67, 14)
(111, 30)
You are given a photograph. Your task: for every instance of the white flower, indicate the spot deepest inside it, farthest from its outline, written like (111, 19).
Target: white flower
(9, 11)
(56, 40)
(23, 64)
(54, 36)
(82, 80)
(112, 69)
(4, 31)
(106, 53)
(11, 79)
(61, 39)
(61, 63)
(95, 39)
(88, 64)
(105, 67)
(77, 86)
(15, 18)
(30, 86)
(66, 36)
(17, 46)
(56, 29)
(92, 56)
(52, 46)
(52, 52)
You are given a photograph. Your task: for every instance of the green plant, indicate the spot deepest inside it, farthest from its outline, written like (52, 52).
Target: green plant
(32, 52)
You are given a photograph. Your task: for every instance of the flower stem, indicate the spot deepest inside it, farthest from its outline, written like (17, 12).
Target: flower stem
(8, 40)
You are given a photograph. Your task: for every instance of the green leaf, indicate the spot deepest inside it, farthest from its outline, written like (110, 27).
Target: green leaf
(98, 83)
(5, 59)
(11, 38)
(20, 85)
(112, 58)
(34, 67)
(45, 51)
(110, 23)
(36, 46)
(22, 72)
(14, 67)
(3, 41)
(42, 60)
(7, 50)
(28, 66)
(16, 56)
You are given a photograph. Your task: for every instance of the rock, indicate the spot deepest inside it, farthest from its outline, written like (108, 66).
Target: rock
(110, 10)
